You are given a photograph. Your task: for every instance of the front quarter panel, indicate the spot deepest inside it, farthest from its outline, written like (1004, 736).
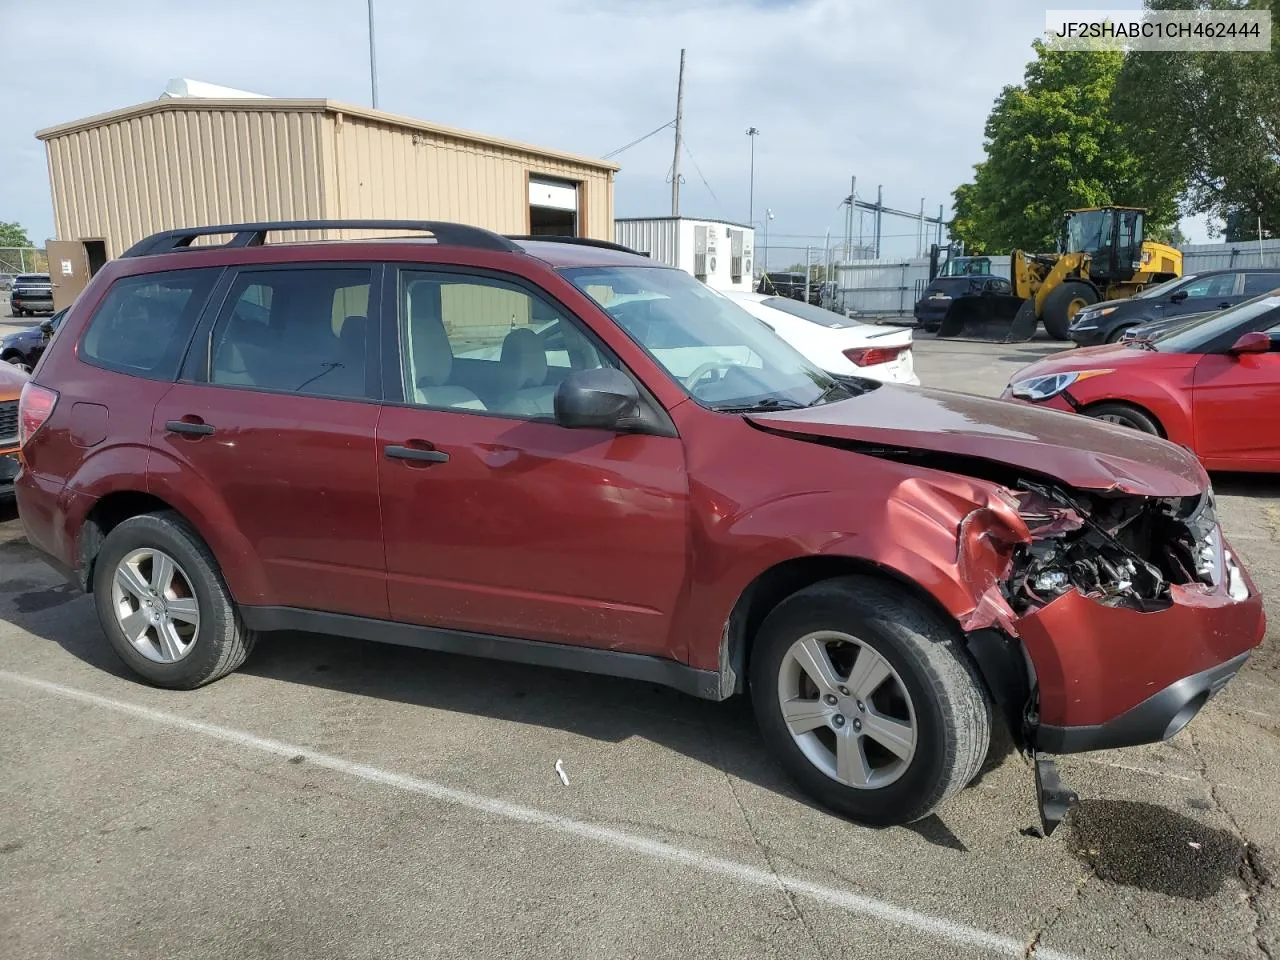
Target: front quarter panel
(760, 500)
(1166, 393)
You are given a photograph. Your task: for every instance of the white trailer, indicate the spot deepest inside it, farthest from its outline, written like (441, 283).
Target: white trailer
(718, 252)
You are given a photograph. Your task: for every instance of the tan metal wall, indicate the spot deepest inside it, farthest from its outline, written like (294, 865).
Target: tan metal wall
(382, 170)
(126, 174)
(124, 179)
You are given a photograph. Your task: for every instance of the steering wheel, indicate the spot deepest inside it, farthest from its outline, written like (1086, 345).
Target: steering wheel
(704, 368)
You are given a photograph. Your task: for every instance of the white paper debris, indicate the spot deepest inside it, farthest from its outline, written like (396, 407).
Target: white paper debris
(564, 777)
(1193, 845)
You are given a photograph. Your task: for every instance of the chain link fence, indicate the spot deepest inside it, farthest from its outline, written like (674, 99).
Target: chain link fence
(16, 260)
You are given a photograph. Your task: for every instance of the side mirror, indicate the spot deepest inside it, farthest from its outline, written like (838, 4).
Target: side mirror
(47, 328)
(599, 399)
(1178, 297)
(1256, 342)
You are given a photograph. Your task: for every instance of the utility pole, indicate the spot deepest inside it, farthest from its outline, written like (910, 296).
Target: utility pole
(939, 224)
(808, 264)
(848, 218)
(752, 133)
(920, 229)
(675, 163)
(1261, 259)
(879, 212)
(373, 60)
(768, 215)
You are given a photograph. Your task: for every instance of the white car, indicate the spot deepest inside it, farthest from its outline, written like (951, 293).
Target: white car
(835, 343)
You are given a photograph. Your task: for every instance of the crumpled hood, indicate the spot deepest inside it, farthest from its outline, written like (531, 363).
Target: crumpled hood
(1081, 452)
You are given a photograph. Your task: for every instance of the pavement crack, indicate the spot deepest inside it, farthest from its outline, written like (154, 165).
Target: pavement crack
(1038, 934)
(1253, 875)
(763, 847)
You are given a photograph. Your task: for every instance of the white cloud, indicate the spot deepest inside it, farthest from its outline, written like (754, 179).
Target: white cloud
(894, 93)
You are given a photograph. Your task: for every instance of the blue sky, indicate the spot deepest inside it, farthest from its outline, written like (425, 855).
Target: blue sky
(894, 93)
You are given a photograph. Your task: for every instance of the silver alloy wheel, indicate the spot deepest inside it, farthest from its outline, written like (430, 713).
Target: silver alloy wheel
(155, 605)
(847, 709)
(1119, 418)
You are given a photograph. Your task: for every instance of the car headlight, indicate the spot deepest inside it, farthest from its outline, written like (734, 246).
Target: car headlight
(1050, 385)
(1085, 319)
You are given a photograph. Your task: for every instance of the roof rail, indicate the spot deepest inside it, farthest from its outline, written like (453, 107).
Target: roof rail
(254, 234)
(580, 241)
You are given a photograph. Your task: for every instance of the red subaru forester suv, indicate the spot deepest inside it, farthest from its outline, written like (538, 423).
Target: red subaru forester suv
(558, 452)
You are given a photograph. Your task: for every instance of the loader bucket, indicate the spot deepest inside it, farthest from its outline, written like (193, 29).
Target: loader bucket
(1000, 318)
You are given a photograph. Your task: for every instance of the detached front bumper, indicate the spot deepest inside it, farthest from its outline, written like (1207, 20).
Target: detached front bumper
(1157, 718)
(1117, 677)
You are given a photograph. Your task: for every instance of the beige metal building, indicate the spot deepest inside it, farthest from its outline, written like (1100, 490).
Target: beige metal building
(120, 176)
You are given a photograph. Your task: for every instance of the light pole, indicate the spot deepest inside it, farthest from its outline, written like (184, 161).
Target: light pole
(373, 60)
(752, 133)
(768, 215)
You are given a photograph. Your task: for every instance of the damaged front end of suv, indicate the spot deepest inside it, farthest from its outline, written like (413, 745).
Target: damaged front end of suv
(1083, 562)
(1128, 611)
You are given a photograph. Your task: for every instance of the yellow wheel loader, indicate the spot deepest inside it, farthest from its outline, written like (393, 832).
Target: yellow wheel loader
(1101, 256)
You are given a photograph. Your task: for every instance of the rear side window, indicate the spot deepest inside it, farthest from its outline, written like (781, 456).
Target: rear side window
(295, 331)
(144, 322)
(1256, 283)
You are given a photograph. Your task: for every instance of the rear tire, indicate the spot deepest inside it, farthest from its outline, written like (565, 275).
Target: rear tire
(175, 628)
(1126, 415)
(930, 694)
(1063, 303)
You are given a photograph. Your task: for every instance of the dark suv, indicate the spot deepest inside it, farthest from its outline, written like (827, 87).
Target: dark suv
(1169, 302)
(559, 453)
(30, 293)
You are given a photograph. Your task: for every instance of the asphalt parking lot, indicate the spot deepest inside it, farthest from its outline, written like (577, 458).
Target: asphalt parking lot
(343, 799)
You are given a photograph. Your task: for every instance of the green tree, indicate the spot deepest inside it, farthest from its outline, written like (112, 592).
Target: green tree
(1211, 120)
(12, 235)
(1054, 143)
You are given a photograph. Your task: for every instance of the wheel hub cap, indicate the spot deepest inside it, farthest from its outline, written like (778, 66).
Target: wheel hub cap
(847, 709)
(155, 605)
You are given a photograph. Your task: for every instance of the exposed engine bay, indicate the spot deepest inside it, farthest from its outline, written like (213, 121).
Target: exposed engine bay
(1120, 550)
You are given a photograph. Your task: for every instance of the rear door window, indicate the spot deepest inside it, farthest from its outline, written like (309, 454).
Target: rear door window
(1218, 285)
(144, 323)
(1256, 283)
(300, 331)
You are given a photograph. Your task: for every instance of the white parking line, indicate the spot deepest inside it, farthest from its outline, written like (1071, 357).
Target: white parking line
(1168, 775)
(858, 904)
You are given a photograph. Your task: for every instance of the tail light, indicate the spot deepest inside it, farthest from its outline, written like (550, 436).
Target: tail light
(873, 356)
(34, 407)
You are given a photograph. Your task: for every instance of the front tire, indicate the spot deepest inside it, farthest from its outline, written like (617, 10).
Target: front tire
(1063, 303)
(869, 700)
(1125, 415)
(164, 606)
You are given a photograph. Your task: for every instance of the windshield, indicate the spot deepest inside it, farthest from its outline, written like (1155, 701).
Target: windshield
(724, 357)
(1160, 289)
(807, 311)
(1199, 334)
(1088, 232)
(966, 266)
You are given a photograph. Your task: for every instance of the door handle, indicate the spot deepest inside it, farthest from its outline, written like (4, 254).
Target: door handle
(197, 429)
(396, 452)
(1224, 304)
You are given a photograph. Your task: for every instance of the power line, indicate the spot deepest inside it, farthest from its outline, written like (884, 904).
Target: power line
(719, 207)
(613, 153)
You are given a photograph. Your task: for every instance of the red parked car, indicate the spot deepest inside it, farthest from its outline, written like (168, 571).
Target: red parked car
(1212, 386)
(557, 452)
